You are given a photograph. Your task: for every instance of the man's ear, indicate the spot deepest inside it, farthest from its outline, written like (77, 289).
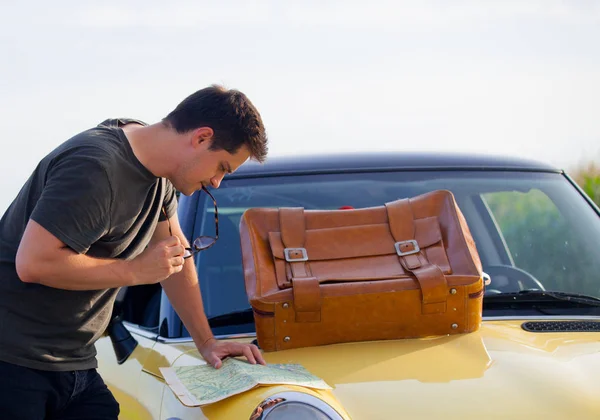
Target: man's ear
(202, 136)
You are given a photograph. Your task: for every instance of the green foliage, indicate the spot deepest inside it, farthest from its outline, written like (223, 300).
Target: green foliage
(588, 178)
(591, 186)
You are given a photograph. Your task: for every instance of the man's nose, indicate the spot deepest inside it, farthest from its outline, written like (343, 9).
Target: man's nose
(215, 181)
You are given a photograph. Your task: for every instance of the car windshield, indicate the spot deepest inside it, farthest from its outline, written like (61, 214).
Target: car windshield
(535, 223)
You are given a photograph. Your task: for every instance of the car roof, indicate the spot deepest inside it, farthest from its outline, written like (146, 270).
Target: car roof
(386, 161)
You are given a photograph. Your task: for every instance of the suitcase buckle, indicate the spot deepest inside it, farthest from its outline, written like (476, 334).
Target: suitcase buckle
(410, 252)
(295, 258)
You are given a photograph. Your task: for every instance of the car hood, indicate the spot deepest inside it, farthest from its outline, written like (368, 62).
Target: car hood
(499, 371)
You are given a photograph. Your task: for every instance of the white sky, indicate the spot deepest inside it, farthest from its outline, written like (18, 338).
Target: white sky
(509, 76)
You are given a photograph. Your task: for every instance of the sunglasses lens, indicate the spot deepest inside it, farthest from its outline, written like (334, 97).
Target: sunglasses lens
(187, 253)
(204, 242)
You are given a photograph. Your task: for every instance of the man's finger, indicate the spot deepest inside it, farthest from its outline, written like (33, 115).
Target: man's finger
(176, 261)
(257, 355)
(213, 360)
(248, 353)
(176, 250)
(172, 241)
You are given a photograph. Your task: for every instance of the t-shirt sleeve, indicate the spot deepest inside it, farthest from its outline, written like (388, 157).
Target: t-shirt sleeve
(170, 200)
(75, 204)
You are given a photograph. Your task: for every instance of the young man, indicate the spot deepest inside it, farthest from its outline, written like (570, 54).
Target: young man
(90, 220)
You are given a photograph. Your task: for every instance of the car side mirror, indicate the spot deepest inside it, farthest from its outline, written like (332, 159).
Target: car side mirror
(122, 340)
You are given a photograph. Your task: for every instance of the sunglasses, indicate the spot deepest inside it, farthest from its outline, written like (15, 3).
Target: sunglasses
(202, 242)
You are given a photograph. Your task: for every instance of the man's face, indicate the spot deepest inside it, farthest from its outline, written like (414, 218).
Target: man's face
(205, 167)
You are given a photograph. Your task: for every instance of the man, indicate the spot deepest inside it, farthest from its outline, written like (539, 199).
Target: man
(90, 220)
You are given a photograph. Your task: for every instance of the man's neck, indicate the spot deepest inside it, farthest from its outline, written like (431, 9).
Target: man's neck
(148, 145)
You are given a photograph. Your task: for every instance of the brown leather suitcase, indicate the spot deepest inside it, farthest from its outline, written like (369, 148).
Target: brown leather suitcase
(405, 269)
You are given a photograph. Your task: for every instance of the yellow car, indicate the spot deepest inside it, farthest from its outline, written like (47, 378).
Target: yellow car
(535, 355)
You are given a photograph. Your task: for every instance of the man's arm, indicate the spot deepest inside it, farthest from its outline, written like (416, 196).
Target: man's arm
(183, 291)
(42, 258)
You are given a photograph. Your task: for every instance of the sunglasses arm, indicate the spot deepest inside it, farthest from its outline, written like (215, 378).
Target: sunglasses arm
(188, 253)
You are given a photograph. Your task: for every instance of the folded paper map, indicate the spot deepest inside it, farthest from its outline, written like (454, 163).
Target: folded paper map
(203, 384)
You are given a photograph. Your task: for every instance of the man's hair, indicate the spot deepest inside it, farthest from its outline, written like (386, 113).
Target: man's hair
(234, 120)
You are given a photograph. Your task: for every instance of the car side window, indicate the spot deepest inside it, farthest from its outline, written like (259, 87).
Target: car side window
(539, 240)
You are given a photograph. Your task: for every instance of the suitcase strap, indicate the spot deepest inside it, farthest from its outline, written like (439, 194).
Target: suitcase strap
(305, 287)
(434, 287)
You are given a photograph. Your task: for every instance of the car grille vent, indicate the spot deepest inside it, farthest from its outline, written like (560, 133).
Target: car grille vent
(562, 326)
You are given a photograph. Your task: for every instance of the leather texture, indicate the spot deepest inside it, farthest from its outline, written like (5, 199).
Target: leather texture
(406, 269)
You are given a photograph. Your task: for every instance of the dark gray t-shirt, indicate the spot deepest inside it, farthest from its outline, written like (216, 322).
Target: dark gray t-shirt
(94, 195)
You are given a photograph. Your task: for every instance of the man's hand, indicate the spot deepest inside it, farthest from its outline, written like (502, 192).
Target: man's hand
(214, 351)
(158, 261)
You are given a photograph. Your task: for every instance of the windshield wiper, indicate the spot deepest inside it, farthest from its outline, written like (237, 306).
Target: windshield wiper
(542, 296)
(232, 318)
